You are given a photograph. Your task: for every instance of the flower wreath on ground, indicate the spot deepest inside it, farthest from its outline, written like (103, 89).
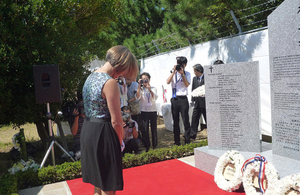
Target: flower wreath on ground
(259, 176)
(287, 186)
(227, 173)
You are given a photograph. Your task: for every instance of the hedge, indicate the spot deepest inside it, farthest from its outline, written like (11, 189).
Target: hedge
(10, 184)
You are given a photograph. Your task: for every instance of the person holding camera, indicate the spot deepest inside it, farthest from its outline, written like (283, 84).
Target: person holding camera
(102, 131)
(180, 80)
(131, 140)
(133, 101)
(79, 115)
(123, 90)
(148, 96)
(198, 101)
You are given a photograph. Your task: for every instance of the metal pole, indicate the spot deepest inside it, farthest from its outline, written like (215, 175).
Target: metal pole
(50, 131)
(156, 46)
(236, 22)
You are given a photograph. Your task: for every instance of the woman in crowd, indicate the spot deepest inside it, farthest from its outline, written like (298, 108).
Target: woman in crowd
(102, 131)
(147, 96)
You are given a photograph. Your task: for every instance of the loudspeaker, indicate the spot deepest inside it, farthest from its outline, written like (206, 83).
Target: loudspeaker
(47, 83)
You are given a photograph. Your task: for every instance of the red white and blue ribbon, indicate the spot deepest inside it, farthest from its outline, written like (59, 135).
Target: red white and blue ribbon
(261, 175)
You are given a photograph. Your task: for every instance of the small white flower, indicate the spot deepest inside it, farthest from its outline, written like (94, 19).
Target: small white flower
(24, 166)
(285, 184)
(199, 91)
(270, 173)
(230, 157)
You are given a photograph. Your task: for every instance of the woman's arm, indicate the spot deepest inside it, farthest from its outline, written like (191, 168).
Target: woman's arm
(153, 92)
(110, 91)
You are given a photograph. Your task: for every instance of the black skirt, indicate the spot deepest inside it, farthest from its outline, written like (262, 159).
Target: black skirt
(101, 157)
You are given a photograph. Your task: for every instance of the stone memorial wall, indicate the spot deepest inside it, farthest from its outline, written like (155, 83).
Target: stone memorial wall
(232, 104)
(284, 47)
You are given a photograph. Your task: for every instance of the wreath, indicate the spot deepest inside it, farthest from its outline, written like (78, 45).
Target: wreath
(199, 91)
(227, 173)
(287, 186)
(259, 176)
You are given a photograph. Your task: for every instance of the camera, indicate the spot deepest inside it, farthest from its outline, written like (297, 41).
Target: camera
(178, 67)
(130, 124)
(181, 61)
(68, 110)
(80, 108)
(144, 81)
(120, 81)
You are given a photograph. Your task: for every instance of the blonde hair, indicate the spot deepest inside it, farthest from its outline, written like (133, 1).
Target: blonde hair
(123, 61)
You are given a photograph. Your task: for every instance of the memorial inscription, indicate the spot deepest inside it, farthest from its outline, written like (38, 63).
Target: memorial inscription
(284, 36)
(232, 104)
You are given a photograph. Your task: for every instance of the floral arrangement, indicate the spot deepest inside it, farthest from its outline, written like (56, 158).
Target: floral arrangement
(199, 91)
(288, 185)
(266, 174)
(24, 166)
(236, 159)
(16, 141)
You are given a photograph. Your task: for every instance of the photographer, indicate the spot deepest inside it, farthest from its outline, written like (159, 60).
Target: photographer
(78, 114)
(123, 90)
(131, 140)
(133, 101)
(147, 96)
(180, 80)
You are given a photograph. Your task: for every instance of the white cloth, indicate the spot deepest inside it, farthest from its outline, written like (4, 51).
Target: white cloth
(147, 100)
(177, 82)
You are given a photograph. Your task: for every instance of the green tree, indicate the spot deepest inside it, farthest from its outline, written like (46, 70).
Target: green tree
(195, 21)
(137, 18)
(37, 32)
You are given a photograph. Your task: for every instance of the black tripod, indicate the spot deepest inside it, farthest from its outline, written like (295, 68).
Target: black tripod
(52, 139)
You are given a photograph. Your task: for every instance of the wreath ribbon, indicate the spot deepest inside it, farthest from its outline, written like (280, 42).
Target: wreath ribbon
(262, 169)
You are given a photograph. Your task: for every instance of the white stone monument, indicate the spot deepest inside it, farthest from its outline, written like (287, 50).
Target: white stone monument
(284, 48)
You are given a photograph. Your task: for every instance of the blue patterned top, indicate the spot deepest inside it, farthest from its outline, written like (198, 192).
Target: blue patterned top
(94, 105)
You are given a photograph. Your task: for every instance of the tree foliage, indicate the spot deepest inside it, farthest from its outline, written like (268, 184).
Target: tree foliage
(38, 32)
(71, 32)
(189, 22)
(136, 19)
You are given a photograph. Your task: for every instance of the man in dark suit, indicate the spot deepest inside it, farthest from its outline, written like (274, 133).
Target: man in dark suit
(198, 102)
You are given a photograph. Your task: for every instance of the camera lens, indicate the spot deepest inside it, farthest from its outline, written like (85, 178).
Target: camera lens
(178, 67)
(120, 81)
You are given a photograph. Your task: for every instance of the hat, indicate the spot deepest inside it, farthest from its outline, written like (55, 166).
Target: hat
(198, 67)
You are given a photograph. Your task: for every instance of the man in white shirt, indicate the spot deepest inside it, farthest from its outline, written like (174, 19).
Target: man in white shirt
(180, 80)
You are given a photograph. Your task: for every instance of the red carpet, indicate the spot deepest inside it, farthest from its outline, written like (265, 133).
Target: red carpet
(167, 177)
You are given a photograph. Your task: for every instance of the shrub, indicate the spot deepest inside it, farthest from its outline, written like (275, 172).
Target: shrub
(8, 185)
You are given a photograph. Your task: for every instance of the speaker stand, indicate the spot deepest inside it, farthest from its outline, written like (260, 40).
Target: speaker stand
(52, 139)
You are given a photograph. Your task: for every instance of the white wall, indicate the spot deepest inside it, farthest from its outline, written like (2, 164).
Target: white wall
(249, 47)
